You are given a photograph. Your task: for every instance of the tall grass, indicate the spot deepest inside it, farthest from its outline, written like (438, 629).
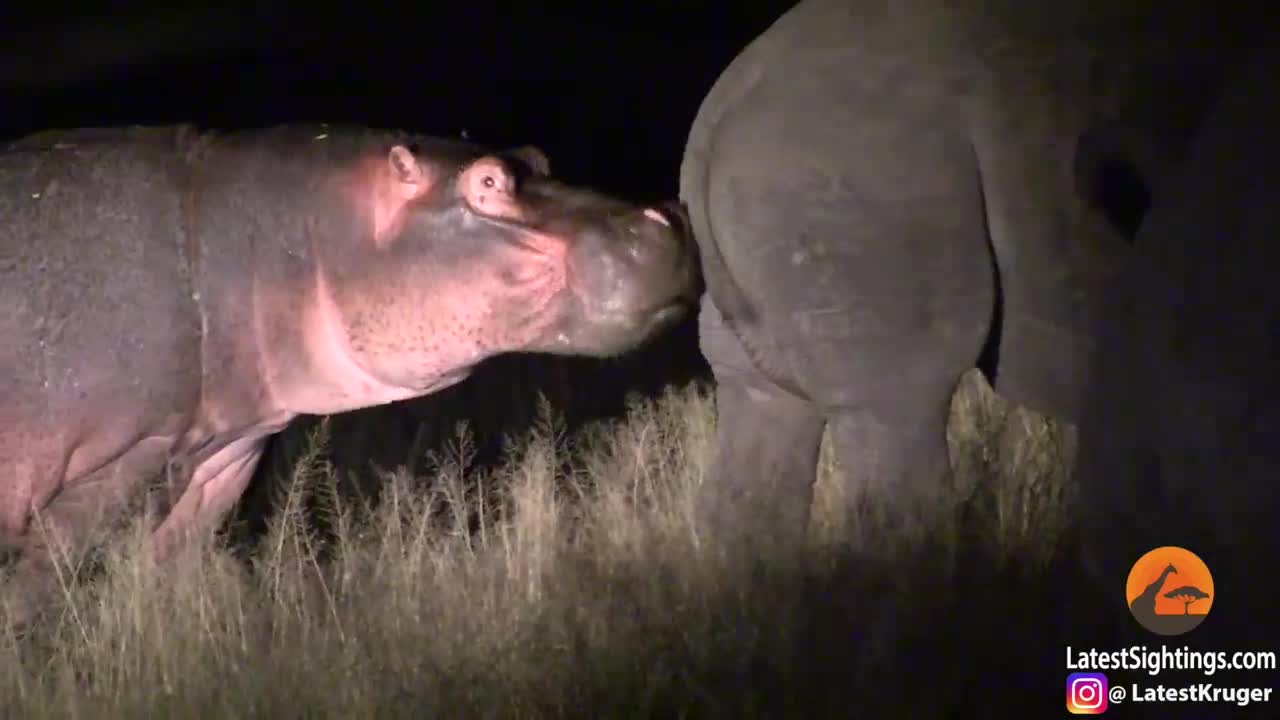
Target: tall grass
(566, 582)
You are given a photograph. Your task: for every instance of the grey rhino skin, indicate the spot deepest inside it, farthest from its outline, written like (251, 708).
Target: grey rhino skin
(1181, 440)
(169, 298)
(867, 179)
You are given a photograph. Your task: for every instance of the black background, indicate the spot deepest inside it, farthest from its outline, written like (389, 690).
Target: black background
(607, 90)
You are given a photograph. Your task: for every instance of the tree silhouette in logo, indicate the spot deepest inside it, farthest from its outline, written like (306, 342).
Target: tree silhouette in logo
(1187, 594)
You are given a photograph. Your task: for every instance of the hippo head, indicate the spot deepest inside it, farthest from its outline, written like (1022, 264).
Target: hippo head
(465, 254)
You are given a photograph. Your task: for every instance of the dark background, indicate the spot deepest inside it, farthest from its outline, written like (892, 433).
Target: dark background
(608, 91)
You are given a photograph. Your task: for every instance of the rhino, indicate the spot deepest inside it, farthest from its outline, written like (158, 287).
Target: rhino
(1181, 437)
(170, 297)
(885, 194)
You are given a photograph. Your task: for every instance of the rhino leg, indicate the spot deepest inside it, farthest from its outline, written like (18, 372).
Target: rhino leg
(62, 529)
(895, 462)
(215, 486)
(760, 486)
(1054, 254)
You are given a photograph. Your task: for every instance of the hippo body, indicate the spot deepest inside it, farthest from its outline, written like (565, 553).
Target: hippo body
(880, 191)
(171, 297)
(1181, 442)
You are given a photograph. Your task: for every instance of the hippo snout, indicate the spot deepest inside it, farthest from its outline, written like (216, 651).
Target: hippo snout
(634, 276)
(660, 241)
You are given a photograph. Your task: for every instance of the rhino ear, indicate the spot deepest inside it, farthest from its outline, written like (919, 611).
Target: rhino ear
(409, 176)
(533, 157)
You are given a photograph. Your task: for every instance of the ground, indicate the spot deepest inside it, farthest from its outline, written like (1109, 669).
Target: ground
(566, 582)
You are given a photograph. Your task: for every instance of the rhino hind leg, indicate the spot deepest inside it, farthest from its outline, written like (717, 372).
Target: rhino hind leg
(895, 462)
(1042, 364)
(1048, 333)
(760, 486)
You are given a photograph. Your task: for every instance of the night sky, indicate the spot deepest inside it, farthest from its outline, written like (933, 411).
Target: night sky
(608, 90)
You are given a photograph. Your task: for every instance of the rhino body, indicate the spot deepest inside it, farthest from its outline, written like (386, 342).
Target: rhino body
(1180, 442)
(883, 192)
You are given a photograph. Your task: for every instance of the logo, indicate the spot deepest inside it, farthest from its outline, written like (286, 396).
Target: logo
(1087, 693)
(1170, 591)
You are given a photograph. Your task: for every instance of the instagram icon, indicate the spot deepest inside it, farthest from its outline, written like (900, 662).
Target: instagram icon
(1086, 693)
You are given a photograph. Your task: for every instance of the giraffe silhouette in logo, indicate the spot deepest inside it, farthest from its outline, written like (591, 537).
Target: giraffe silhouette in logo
(1144, 606)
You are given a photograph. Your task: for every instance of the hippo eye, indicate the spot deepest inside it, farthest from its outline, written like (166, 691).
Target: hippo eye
(488, 181)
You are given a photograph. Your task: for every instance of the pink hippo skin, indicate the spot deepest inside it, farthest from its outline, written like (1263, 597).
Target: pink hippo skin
(170, 298)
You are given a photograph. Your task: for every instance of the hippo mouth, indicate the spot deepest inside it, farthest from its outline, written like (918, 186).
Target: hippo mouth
(671, 312)
(648, 321)
(665, 315)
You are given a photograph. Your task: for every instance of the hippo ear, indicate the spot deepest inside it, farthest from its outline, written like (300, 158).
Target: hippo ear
(409, 176)
(404, 179)
(532, 157)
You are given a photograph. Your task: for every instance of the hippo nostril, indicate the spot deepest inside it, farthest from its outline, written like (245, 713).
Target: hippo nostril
(657, 217)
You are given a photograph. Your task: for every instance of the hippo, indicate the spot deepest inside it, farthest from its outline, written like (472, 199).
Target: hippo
(170, 297)
(1181, 440)
(885, 194)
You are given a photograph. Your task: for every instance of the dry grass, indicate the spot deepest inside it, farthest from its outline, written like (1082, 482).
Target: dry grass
(567, 583)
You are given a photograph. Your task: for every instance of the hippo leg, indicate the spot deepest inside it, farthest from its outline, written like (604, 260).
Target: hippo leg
(59, 534)
(760, 486)
(216, 484)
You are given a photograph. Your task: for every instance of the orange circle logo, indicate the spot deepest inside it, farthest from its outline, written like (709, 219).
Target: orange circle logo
(1170, 590)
